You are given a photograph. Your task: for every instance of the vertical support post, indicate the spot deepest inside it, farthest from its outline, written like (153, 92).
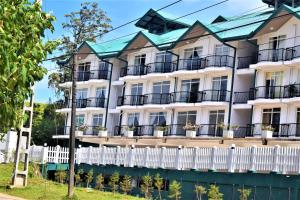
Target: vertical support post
(212, 158)
(56, 159)
(162, 155)
(117, 161)
(79, 152)
(90, 155)
(298, 153)
(230, 159)
(177, 160)
(45, 154)
(253, 159)
(146, 156)
(275, 167)
(131, 157)
(195, 153)
(103, 152)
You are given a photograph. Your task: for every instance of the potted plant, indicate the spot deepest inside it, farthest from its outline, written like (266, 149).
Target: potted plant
(267, 131)
(159, 131)
(81, 129)
(191, 129)
(102, 131)
(129, 131)
(228, 131)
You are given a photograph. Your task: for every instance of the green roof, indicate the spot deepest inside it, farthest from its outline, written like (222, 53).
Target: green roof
(239, 27)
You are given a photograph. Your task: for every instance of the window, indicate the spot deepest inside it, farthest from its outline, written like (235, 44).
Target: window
(79, 120)
(215, 118)
(222, 50)
(133, 119)
(161, 87)
(81, 98)
(97, 120)
(272, 117)
(189, 90)
(84, 67)
(137, 89)
(192, 59)
(83, 71)
(276, 48)
(273, 83)
(193, 53)
(277, 42)
(101, 92)
(158, 118)
(163, 62)
(219, 89)
(160, 93)
(183, 118)
(140, 59)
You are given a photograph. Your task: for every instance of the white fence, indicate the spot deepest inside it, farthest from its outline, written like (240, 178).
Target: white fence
(285, 160)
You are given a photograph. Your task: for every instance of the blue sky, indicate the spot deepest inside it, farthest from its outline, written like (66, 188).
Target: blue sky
(122, 11)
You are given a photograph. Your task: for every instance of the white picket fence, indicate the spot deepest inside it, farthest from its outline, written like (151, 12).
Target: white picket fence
(285, 160)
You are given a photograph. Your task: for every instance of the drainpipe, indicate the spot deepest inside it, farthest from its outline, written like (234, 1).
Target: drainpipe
(232, 83)
(109, 88)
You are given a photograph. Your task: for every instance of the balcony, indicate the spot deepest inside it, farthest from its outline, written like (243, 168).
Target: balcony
(138, 100)
(130, 100)
(138, 130)
(88, 75)
(160, 67)
(280, 130)
(90, 131)
(245, 62)
(84, 103)
(133, 70)
(201, 96)
(157, 98)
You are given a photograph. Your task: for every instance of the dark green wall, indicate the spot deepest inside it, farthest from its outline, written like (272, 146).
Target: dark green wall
(263, 186)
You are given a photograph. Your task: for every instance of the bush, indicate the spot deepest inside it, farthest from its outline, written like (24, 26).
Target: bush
(99, 182)
(78, 176)
(126, 184)
(200, 190)
(60, 176)
(89, 177)
(158, 183)
(114, 182)
(146, 187)
(244, 193)
(175, 190)
(214, 193)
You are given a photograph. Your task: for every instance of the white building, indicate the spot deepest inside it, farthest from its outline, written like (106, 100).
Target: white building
(238, 75)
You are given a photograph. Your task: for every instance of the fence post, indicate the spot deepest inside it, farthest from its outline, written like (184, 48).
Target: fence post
(298, 151)
(195, 152)
(252, 158)
(117, 161)
(131, 156)
(79, 150)
(56, 158)
(275, 167)
(212, 159)
(230, 159)
(90, 155)
(146, 156)
(44, 154)
(177, 160)
(162, 155)
(103, 152)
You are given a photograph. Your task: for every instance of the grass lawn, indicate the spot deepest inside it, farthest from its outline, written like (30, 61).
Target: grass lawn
(38, 188)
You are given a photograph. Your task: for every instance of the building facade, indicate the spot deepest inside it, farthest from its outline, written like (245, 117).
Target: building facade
(235, 77)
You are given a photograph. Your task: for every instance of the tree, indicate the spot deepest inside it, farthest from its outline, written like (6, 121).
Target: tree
(89, 177)
(214, 193)
(158, 183)
(100, 182)
(83, 25)
(114, 181)
(244, 193)
(60, 176)
(22, 50)
(126, 184)
(146, 186)
(175, 190)
(78, 176)
(200, 190)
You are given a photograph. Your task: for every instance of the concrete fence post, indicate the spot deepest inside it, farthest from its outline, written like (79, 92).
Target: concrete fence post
(90, 155)
(56, 158)
(103, 152)
(275, 167)
(230, 159)
(117, 157)
(253, 158)
(131, 156)
(44, 154)
(78, 157)
(146, 156)
(212, 158)
(298, 153)
(195, 153)
(162, 157)
(177, 159)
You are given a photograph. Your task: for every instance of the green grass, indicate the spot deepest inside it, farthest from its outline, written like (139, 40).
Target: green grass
(39, 188)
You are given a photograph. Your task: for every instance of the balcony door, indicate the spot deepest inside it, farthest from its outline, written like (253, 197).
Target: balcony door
(103, 70)
(79, 120)
(276, 46)
(133, 121)
(81, 98)
(160, 92)
(272, 117)
(192, 58)
(216, 117)
(189, 90)
(84, 71)
(100, 97)
(184, 118)
(219, 89)
(156, 119)
(273, 82)
(220, 58)
(136, 94)
(163, 62)
(139, 65)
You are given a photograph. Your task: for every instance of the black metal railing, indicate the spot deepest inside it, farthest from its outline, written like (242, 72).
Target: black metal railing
(160, 67)
(242, 97)
(85, 103)
(138, 130)
(131, 100)
(157, 98)
(245, 62)
(243, 131)
(88, 75)
(216, 95)
(210, 130)
(191, 64)
(88, 131)
(291, 91)
(133, 70)
(271, 55)
(186, 97)
(279, 130)
(267, 92)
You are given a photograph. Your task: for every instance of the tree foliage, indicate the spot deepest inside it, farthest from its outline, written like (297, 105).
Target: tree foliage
(126, 184)
(146, 186)
(83, 25)
(114, 181)
(100, 182)
(214, 193)
(78, 176)
(89, 177)
(244, 193)
(22, 50)
(175, 190)
(199, 190)
(158, 183)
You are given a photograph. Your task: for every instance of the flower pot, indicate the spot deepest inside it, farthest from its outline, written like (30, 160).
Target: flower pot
(102, 133)
(228, 134)
(267, 134)
(129, 133)
(190, 133)
(158, 133)
(78, 133)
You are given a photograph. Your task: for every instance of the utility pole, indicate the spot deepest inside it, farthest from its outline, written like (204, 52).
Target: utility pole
(73, 127)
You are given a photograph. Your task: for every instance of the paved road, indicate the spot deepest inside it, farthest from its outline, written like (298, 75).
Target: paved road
(7, 197)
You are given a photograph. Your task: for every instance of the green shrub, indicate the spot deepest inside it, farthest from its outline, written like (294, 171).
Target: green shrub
(200, 190)
(244, 193)
(114, 181)
(175, 190)
(126, 184)
(214, 193)
(158, 183)
(89, 177)
(60, 176)
(99, 182)
(146, 187)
